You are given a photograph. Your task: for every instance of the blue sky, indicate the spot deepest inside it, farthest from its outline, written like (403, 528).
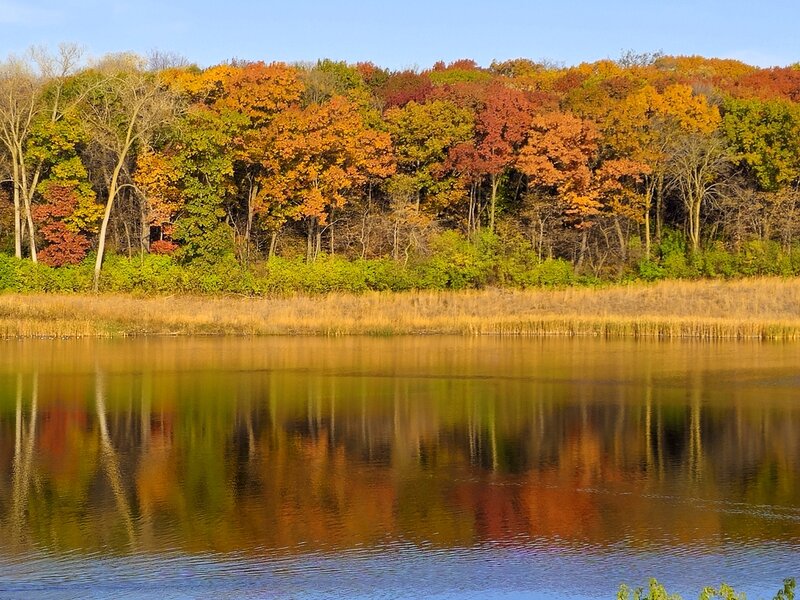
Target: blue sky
(409, 33)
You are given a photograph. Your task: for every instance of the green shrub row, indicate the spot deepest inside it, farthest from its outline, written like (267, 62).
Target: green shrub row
(756, 258)
(152, 274)
(454, 263)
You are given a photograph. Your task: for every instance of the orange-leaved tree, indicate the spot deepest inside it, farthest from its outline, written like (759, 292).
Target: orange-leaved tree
(646, 125)
(501, 126)
(321, 154)
(562, 157)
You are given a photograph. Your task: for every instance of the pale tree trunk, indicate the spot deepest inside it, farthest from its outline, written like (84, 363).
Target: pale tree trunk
(251, 195)
(495, 183)
(471, 217)
(696, 225)
(273, 242)
(582, 253)
(27, 197)
(396, 241)
(623, 249)
(250, 211)
(101, 244)
(648, 205)
(659, 192)
(113, 188)
(31, 231)
(311, 229)
(17, 211)
(330, 227)
(364, 236)
(144, 232)
(693, 198)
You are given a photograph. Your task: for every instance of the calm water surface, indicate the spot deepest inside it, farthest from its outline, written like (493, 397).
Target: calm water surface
(437, 467)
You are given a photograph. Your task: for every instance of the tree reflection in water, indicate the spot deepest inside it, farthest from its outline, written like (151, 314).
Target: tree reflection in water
(288, 446)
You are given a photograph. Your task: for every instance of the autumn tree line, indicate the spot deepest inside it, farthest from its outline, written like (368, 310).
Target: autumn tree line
(520, 173)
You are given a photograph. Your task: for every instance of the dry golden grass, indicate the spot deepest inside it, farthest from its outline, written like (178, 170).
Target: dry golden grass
(756, 308)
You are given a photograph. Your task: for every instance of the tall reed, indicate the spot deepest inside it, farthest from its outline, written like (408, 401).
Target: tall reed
(756, 308)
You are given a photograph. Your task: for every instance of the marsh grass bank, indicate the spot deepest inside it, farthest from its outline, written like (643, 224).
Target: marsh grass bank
(757, 308)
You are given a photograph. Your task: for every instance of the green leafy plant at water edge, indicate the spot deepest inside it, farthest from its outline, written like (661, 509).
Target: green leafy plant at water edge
(656, 591)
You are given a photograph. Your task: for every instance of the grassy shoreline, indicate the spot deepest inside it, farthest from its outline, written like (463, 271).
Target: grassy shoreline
(743, 309)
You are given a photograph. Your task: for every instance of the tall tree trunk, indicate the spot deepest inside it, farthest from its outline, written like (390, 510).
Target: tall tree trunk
(273, 242)
(17, 211)
(478, 210)
(31, 232)
(471, 216)
(623, 243)
(659, 191)
(27, 198)
(396, 240)
(250, 211)
(330, 232)
(250, 216)
(695, 225)
(113, 188)
(648, 207)
(495, 182)
(309, 240)
(582, 252)
(127, 238)
(101, 244)
(144, 229)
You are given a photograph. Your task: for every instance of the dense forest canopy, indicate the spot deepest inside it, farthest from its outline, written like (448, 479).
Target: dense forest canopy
(610, 166)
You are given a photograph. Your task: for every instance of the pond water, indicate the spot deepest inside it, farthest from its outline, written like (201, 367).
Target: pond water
(402, 467)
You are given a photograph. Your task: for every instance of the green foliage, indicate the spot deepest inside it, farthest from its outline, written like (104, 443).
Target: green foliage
(649, 270)
(656, 591)
(787, 592)
(224, 276)
(326, 274)
(423, 135)
(718, 262)
(205, 167)
(462, 71)
(456, 263)
(149, 273)
(330, 78)
(756, 258)
(387, 275)
(725, 592)
(765, 136)
(201, 231)
(25, 276)
(330, 274)
(761, 258)
(674, 256)
(554, 273)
